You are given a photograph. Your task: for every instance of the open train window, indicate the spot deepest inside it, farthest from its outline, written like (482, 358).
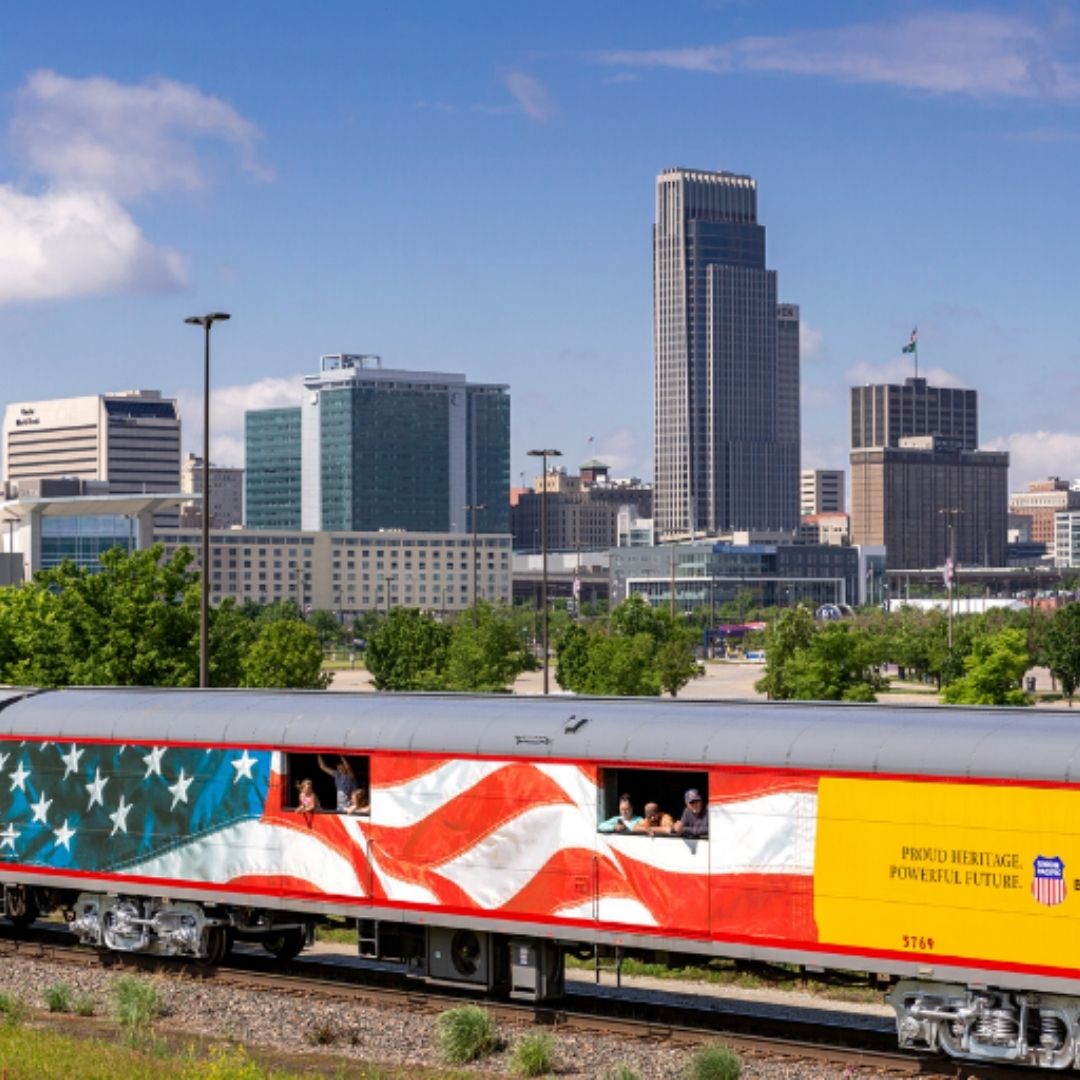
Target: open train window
(665, 787)
(327, 778)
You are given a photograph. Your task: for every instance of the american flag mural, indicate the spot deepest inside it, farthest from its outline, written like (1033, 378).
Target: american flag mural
(515, 839)
(103, 808)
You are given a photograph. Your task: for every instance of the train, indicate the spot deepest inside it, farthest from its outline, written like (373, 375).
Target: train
(936, 849)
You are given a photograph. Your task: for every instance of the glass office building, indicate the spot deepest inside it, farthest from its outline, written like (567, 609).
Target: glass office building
(761, 575)
(394, 449)
(272, 468)
(84, 539)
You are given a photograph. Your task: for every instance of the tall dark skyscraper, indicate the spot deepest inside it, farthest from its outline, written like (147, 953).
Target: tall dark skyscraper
(726, 363)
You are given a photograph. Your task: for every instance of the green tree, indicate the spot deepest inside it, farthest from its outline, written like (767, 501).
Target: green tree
(232, 633)
(1061, 648)
(642, 651)
(675, 663)
(133, 623)
(408, 651)
(785, 636)
(326, 626)
(839, 663)
(486, 651)
(992, 672)
(285, 655)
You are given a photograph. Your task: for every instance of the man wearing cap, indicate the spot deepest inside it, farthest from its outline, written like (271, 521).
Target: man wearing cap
(694, 823)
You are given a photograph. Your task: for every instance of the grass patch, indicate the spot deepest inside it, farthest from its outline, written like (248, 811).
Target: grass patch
(28, 1053)
(59, 998)
(715, 1062)
(534, 1056)
(85, 1005)
(622, 1071)
(336, 933)
(728, 973)
(135, 1007)
(465, 1034)
(12, 1008)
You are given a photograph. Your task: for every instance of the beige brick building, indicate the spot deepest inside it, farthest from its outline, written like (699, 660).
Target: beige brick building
(350, 572)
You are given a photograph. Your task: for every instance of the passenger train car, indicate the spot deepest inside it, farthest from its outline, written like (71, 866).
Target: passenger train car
(938, 848)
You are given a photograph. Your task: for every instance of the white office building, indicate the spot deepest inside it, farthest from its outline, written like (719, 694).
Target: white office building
(130, 440)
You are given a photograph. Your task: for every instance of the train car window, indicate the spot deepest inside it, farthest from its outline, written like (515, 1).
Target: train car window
(340, 783)
(665, 787)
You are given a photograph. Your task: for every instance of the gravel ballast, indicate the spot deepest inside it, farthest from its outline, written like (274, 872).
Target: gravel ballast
(291, 1023)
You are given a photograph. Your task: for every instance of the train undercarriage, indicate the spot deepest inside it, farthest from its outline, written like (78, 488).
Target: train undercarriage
(980, 1025)
(153, 926)
(1020, 1028)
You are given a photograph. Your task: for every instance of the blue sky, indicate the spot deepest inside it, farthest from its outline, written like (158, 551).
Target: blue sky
(469, 187)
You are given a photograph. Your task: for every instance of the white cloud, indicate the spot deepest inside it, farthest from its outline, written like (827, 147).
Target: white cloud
(127, 140)
(823, 452)
(622, 450)
(227, 407)
(1035, 455)
(980, 54)
(810, 341)
(896, 371)
(531, 96)
(76, 243)
(90, 146)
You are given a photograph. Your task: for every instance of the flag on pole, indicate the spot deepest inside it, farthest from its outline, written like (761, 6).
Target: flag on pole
(912, 341)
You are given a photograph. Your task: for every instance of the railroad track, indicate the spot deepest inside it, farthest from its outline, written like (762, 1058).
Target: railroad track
(848, 1040)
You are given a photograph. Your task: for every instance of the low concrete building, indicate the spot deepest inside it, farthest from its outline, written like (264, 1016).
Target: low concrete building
(352, 572)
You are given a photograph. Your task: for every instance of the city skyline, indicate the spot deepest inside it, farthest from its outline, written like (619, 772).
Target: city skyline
(479, 197)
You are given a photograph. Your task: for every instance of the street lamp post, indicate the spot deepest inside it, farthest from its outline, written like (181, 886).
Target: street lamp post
(474, 509)
(205, 321)
(544, 455)
(950, 514)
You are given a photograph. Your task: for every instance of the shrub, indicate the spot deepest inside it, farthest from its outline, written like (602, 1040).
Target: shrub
(12, 1008)
(322, 1033)
(715, 1062)
(135, 1005)
(59, 998)
(622, 1071)
(85, 1005)
(534, 1055)
(465, 1034)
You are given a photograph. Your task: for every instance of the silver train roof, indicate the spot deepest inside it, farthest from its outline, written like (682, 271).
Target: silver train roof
(1033, 744)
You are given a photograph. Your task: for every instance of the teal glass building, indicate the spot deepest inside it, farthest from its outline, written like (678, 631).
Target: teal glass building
(272, 468)
(373, 448)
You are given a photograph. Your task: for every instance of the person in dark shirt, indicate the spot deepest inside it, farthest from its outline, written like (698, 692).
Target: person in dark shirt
(694, 823)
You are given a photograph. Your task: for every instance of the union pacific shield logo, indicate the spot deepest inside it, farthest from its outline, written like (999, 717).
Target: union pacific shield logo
(1048, 884)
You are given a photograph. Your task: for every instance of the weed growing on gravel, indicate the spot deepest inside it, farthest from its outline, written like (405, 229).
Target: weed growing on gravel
(622, 1071)
(12, 1008)
(465, 1034)
(59, 998)
(322, 1033)
(534, 1056)
(224, 1063)
(85, 1005)
(714, 1062)
(135, 1006)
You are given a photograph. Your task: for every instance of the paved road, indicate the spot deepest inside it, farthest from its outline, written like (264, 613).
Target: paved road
(723, 680)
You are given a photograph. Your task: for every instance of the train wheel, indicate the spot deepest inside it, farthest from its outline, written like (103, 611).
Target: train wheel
(286, 944)
(22, 906)
(218, 941)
